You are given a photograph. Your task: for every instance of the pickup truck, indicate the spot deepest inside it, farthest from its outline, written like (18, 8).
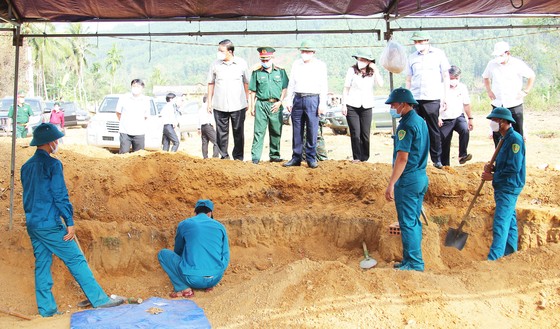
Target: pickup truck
(103, 127)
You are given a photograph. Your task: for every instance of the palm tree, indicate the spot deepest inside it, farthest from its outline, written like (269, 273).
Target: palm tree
(79, 49)
(113, 62)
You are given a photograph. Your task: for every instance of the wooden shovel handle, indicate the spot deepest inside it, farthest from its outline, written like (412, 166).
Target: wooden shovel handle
(464, 221)
(16, 314)
(366, 253)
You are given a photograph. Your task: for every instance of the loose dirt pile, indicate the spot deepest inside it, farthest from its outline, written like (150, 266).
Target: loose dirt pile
(295, 237)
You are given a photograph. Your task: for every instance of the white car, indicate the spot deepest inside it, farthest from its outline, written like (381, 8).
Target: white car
(37, 105)
(103, 127)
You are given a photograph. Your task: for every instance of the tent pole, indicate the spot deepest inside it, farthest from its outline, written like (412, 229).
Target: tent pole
(17, 44)
(387, 37)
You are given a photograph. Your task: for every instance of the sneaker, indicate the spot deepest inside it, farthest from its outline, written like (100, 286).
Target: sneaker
(112, 302)
(407, 267)
(464, 159)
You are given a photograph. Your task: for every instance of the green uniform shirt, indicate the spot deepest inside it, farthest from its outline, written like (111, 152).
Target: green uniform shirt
(23, 113)
(268, 85)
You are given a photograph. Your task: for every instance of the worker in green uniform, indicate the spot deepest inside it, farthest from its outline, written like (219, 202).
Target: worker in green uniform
(408, 183)
(24, 111)
(267, 89)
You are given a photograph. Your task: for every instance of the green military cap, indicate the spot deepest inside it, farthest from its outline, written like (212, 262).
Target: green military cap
(401, 95)
(307, 45)
(420, 35)
(44, 134)
(501, 113)
(266, 52)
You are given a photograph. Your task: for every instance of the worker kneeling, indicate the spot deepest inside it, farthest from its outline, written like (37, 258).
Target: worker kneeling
(201, 253)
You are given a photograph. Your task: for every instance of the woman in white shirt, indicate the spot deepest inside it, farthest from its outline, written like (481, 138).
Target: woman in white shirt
(357, 102)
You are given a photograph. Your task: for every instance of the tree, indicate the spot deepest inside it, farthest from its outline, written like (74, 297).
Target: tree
(113, 62)
(79, 49)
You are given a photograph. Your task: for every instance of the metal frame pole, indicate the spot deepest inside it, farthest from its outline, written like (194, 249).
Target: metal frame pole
(17, 41)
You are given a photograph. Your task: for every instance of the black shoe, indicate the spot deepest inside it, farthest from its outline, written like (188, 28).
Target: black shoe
(292, 163)
(438, 165)
(312, 164)
(276, 159)
(466, 158)
(255, 161)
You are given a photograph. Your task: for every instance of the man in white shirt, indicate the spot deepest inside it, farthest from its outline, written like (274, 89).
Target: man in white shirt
(453, 118)
(306, 100)
(132, 111)
(503, 79)
(428, 78)
(169, 118)
(228, 91)
(206, 130)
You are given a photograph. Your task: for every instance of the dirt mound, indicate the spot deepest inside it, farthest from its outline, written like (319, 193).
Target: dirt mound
(295, 238)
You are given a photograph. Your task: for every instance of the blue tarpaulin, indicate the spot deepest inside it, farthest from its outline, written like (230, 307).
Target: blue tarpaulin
(176, 314)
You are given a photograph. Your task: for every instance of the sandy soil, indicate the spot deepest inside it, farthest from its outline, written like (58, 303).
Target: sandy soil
(296, 237)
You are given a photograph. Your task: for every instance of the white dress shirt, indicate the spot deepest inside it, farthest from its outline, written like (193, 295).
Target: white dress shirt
(134, 110)
(308, 78)
(168, 115)
(456, 99)
(229, 79)
(360, 92)
(426, 72)
(507, 81)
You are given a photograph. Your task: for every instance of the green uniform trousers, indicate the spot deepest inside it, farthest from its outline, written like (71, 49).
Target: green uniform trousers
(265, 118)
(21, 131)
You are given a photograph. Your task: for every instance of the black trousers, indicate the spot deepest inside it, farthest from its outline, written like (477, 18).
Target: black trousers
(517, 114)
(169, 136)
(359, 122)
(429, 111)
(208, 134)
(222, 132)
(461, 126)
(126, 140)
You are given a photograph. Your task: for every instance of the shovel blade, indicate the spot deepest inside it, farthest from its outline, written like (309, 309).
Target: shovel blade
(368, 263)
(456, 238)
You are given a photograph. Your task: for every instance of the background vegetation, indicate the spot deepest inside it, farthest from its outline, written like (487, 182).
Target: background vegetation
(85, 69)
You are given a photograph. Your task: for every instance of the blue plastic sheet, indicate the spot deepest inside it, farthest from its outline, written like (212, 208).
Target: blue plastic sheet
(176, 314)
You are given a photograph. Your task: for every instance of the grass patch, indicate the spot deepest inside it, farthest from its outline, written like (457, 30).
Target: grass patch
(111, 242)
(546, 134)
(440, 220)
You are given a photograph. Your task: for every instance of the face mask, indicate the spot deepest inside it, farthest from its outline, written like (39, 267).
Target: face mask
(306, 56)
(266, 64)
(53, 149)
(220, 56)
(136, 90)
(500, 59)
(495, 126)
(361, 65)
(420, 47)
(394, 113)
(453, 82)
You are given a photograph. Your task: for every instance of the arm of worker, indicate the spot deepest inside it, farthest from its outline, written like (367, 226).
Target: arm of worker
(179, 242)
(276, 106)
(489, 89)
(324, 88)
(289, 100)
(398, 169)
(343, 105)
(376, 75)
(252, 101)
(60, 194)
(225, 250)
(408, 81)
(119, 107)
(347, 84)
(529, 86)
(209, 99)
(467, 109)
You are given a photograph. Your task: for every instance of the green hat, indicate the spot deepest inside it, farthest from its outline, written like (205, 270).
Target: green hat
(266, 52)
(420, 35)
(364, 54)
(57, 103)
(401, 95)
(205, 203)
(501, 113)
(44, 134)
(307, 45)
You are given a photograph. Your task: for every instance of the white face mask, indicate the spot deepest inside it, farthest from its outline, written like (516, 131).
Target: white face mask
(421, 47)
(53, 149)
(495, 126)
(453, 82)
(362, 65)
(136, 90)
(221, 56)
(306, 56)
(500, 59)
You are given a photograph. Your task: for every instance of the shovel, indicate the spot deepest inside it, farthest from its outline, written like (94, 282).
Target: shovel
(367, 262)
(456, 237)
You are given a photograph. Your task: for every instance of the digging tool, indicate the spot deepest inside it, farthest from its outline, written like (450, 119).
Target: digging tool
(456, 237)
(16, 314)
(367, 262)
(424, 216)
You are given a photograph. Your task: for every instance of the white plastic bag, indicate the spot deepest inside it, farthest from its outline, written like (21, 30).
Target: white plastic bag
(393, 57)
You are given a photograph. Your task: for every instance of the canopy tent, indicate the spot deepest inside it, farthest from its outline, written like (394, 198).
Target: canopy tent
(20, 11)
(17, 12)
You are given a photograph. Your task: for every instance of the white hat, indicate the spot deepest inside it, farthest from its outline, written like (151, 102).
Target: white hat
(500, 48)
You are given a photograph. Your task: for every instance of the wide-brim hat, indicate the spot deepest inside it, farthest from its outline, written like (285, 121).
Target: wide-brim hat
(401, 95)
(364, 54)
(307, 45)
(420, 35)
(205, 203)
(501, 113)
(45, 133)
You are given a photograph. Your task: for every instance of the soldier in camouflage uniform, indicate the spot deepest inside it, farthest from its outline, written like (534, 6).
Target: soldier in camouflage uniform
(267, 89)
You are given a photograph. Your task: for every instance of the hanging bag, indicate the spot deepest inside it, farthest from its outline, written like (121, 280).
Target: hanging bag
(393, 57)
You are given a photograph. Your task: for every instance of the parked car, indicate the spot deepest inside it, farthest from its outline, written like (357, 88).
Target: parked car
(381, 118)
(103, 127)
(188, 118)
(37, 105)
(74, 116)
